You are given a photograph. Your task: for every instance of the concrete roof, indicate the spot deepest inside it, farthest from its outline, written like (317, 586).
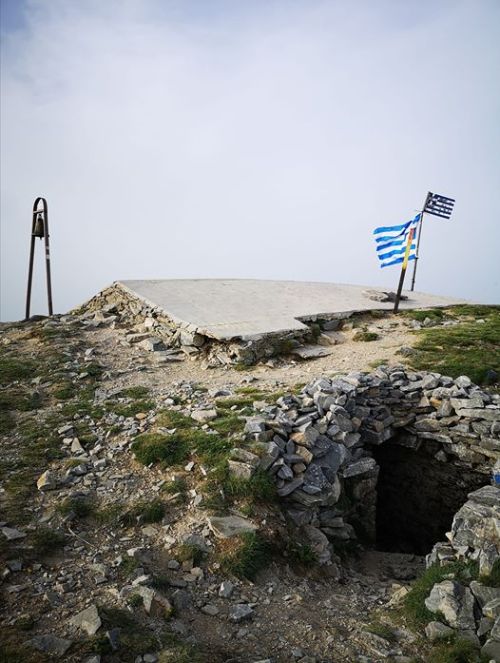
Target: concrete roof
(240, 308)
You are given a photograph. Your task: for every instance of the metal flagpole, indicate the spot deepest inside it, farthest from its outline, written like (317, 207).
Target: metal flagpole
(429, 194)
(411, 235)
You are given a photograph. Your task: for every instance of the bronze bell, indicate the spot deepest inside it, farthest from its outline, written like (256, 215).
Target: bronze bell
(39, 230)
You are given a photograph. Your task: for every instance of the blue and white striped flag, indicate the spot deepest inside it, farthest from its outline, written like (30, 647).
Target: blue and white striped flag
(391, 242)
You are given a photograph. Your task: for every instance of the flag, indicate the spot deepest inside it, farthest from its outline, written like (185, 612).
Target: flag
(391, 242)
(439, 205)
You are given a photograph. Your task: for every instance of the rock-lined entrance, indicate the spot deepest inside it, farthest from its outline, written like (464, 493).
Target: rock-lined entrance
(423, 441)
(417, 497)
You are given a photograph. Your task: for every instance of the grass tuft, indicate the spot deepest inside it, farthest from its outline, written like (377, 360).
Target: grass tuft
(46, 541)
(248, 554)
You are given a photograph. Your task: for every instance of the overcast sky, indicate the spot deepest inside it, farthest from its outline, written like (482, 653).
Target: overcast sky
(263, 139)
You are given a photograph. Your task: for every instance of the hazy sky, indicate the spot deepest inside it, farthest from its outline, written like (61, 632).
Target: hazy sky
(251, 139)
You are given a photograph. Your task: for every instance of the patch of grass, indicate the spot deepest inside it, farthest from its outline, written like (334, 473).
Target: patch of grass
(174, 419)
(156, 448)
(456, 650)
(246, 555)
(127, 566)
(383, 631)
(135, 392)
(15, 399)
(110, 513)
(301, 554)
(144, 512)
(248, 391)
(259, 488)
(64, 391)
(228, 425)
(14, 368)
(130, 409)
(135, 639)
(473, 310)
(7, 422)
(46, 541)
(80, 506)
(414, 607)
(434, 314)
(237, 401)
(468, 348)
(173, 487)
(493, 579)
(135, 600)
(365, 336)
(186, 551)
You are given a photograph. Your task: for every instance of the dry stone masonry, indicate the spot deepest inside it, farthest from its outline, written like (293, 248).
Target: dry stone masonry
(172, 340)
(432, 440)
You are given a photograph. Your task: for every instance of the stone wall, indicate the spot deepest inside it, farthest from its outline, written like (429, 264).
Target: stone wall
(150, 327)
(321, 446)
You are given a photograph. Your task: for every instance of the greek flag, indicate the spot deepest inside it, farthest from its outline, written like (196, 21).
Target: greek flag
(391, 242)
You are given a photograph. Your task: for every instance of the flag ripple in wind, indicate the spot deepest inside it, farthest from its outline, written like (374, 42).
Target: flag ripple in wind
(391, 242)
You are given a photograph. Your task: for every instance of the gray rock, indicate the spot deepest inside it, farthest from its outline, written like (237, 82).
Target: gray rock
(228, 526)
(46, 481)
(436, 630)
(483, 593)
(240, 470)
(12, 534)
(50, 644)
(226, 589)
(202, 416)
(491, 649)
(240, 612)
(87, 620)
(210, 609)
(455, 602)
(359, 467)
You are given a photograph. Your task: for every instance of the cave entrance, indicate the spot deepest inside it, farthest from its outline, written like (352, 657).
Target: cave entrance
(417, 497)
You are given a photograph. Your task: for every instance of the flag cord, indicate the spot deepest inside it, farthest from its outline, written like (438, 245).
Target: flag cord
(417, 252)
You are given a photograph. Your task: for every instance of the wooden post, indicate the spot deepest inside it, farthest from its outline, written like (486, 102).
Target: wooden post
(411, 235)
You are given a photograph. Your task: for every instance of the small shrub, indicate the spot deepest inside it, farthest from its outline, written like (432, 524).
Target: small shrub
(46, 541)
(493, 579)
(135, 392)
(135, 600)
(15, 369)
(154, 447)
(365, 336)
(187, 551)
(456, 650)
(383, 631)
(301, 554)
(249, 553)
(81, 507)
(145, 512)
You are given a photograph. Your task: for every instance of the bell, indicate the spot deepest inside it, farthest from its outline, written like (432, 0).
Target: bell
(39, 226)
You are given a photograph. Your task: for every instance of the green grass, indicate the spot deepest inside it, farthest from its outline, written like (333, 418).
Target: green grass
(188, 551)
(46, 541)
(81, 507)
(414, 607)
(365, 336)
(383, 631)
(493, 579)
(249, 553)
(135, 392)
(434, 314)
(144, 512)
(227, 424)
(65, 391)
(130, 409)
(468, 348)
(238, 401)
(12, 369)
(301, 554)
(157, 448)
(174, 419)
(222, 490)
(7, 422)
(456, 650)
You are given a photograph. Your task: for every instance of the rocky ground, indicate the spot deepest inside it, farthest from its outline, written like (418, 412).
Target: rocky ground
(107, 556)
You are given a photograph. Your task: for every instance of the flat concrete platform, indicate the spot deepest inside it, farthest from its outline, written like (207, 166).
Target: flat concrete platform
(238, 308)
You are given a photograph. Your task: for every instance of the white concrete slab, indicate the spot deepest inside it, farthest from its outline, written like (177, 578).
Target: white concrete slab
(239, 308)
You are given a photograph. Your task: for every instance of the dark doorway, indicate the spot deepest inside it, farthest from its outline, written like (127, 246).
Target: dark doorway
(417, 497)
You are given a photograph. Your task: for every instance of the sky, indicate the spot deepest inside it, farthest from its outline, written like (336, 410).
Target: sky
(236, 139)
